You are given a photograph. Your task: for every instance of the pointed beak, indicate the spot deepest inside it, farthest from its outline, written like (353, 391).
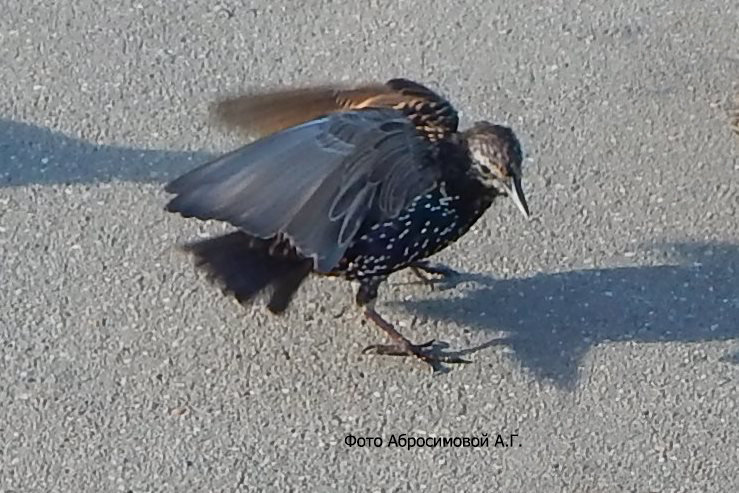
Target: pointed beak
(516, 194)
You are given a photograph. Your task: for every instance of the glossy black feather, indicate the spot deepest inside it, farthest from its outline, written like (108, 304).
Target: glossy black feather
(245, 266)
(314, 183)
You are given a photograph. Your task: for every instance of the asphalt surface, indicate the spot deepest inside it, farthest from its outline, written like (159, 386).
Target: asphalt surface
(604, 333)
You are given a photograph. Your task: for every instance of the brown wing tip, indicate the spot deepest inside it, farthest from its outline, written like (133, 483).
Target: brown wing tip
(236, 112)
(222, 109)
(266, 111)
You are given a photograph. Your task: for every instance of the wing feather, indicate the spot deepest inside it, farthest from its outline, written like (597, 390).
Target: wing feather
(263, 113)
(267, 112)
(313, 183)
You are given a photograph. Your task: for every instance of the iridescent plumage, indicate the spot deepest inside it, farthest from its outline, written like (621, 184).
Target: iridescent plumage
(351, 182)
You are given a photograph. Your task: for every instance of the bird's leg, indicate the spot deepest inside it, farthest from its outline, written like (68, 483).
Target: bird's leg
(422, 267)
(401, 346)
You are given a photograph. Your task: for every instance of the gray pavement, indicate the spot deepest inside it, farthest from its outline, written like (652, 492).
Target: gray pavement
(606, 330)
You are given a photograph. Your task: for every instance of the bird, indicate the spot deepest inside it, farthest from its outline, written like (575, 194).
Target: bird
(355, 182)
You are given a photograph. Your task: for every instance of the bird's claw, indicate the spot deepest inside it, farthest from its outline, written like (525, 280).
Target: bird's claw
(420, 351)
(395, 349)
(404, 347)
(421, 269)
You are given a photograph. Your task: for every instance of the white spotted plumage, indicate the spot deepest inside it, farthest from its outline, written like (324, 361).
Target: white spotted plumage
(428, 224)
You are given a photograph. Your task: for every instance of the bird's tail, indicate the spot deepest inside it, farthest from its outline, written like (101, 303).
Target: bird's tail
(244, 266)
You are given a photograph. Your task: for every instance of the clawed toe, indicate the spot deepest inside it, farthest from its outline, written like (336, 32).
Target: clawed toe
(396, 349)
(403, 347)
(420, 351)
(422, 269)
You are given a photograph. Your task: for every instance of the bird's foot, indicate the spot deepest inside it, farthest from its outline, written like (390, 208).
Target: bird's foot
(421, 268)
(403, 347)
(420, 351)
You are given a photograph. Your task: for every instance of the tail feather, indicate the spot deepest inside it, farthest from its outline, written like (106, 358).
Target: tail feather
(286, 286)
(244, 267)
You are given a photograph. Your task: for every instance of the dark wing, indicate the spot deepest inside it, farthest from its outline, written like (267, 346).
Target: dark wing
(268, 112)
(313, 183)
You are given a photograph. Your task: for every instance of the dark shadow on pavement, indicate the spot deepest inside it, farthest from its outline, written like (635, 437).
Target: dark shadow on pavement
(32, 155)
(552, 320)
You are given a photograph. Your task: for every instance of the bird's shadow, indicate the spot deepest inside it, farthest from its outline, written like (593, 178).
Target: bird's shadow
(552, 320)
(31, 155)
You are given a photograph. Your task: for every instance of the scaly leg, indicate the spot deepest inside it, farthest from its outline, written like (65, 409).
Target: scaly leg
(401, 346)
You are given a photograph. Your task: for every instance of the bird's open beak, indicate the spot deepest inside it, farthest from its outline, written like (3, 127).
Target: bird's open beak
(516, 194)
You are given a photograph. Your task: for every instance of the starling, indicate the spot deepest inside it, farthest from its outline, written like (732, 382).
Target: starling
(355, 182)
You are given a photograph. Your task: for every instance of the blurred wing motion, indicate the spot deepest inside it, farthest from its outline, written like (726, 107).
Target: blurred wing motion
(269, 112)
(314, 184)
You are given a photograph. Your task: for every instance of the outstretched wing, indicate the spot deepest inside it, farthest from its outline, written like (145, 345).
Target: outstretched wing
(268, 112)
(315, 183)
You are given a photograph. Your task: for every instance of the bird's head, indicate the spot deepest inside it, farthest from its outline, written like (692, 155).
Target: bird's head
(496, 160)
